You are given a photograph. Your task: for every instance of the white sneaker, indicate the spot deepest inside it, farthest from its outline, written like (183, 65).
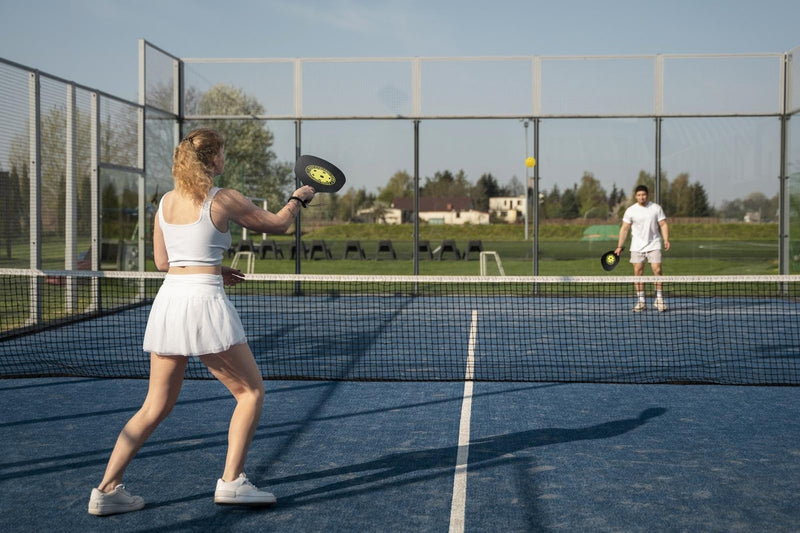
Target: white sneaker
(114, 502)
(241, 492)
(660, 305)
(640, 306)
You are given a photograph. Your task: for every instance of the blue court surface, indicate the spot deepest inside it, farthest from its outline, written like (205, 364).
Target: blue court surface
(345, 456)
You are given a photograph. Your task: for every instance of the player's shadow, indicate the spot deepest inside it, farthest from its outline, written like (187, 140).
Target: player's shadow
(394, 469)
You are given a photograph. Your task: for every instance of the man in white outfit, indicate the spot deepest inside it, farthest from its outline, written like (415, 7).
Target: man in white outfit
(648, 225)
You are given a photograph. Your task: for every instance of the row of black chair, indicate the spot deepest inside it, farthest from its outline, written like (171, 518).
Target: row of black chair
(384, 250)
(449, 246)
(270, 247)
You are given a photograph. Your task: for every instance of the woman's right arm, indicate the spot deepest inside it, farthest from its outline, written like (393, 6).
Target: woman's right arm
(245, 213)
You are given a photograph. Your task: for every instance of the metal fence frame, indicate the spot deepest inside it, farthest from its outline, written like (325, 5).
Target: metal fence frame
(785, 109)
(35, 165)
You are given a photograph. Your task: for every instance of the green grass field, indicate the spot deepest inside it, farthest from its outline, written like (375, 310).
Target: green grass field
(697, 249)
(555, 259)
(735, 249)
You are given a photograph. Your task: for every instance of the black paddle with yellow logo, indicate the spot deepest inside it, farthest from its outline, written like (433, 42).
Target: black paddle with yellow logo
(610, 260)
(322, 175)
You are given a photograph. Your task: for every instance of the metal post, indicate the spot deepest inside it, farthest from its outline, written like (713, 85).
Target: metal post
(70, 215)
(140, 237)
(536, 197)
(178, 99)
(416, 110)
(657, 183)
(527, 182)
(94, 194)
(35, 176)
(658, 109)
(94, 164)
(141, 158)
(71, 208)
(783, 179)
(416, 197)
(297, 240)
(783, 195)
(142, 71)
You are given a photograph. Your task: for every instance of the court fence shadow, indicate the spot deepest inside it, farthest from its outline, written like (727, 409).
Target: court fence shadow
(398, 469)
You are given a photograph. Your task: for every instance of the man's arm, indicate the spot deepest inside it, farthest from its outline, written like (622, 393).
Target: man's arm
(623, 236)
(664, 233)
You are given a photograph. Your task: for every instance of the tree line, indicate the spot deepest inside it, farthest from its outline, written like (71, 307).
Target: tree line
(586, 199)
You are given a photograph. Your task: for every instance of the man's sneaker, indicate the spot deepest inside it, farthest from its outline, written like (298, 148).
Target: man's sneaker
(660, 305)
(241, 492)
(640, 306)
(117, 501)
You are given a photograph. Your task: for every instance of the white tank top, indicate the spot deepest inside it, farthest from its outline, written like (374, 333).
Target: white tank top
(197, 244)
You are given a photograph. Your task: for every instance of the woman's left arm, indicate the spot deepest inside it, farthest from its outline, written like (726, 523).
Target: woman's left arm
(159, 248)
(231, 276)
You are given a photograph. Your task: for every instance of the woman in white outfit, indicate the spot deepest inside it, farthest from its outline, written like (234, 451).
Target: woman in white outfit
(192, 316)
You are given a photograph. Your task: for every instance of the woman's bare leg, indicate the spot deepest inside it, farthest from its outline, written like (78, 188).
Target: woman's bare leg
(237, 370)
(166, 378)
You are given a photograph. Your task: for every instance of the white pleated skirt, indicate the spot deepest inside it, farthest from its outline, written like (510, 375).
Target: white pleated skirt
(192, 315)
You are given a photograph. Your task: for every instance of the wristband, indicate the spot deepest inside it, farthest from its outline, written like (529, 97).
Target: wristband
(302, 202)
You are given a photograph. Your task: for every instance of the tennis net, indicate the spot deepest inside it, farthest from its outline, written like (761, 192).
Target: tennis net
(727, 330)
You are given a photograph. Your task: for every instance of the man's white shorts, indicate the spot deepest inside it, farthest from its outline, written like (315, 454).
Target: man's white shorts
(653, 256)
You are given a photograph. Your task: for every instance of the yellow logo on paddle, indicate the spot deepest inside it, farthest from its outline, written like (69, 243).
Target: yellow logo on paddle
(320, 175)
(611, 259)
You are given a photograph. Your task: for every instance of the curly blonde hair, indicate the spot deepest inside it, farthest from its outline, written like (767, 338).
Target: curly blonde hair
(193, 163)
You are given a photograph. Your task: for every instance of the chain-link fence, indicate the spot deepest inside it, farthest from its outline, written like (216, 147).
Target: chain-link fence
(81, 170)
(71, 162)
(711, 135)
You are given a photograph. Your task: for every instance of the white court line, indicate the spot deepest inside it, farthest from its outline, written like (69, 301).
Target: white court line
(458, 507)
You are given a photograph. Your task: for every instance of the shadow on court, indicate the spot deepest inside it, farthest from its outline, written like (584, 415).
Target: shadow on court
(483, 453)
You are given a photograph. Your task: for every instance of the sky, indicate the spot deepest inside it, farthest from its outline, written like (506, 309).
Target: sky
(95, 42)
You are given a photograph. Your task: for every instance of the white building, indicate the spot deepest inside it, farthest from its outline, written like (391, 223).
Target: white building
(455, 211)
(509, 209)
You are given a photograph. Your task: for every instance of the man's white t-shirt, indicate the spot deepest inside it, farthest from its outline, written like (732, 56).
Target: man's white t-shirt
(645, 231)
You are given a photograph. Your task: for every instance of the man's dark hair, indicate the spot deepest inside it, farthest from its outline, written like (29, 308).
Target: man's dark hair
(641, 188)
